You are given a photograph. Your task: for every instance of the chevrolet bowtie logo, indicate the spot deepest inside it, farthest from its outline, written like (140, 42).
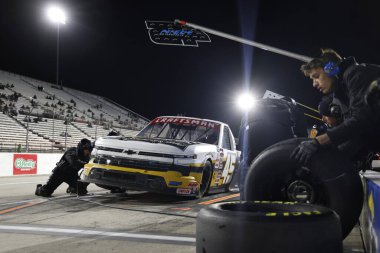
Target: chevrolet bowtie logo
(129, 152)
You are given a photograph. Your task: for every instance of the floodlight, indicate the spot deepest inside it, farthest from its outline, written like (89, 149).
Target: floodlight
(246, 101)
(56, 15)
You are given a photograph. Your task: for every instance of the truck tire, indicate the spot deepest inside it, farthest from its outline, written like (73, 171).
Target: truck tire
(267, 227)
(329, 180)
(272, 121)
(206, 179)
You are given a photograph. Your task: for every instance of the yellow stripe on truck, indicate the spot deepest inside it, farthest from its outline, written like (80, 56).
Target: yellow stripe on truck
(167, 175)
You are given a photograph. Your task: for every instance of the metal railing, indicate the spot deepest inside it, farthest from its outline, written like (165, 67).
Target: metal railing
(31, 148)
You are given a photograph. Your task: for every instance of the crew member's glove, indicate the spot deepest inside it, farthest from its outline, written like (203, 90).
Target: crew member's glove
(305, 150)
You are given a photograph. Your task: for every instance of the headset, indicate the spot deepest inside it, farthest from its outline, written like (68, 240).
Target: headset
(335, 110)
(331, 69)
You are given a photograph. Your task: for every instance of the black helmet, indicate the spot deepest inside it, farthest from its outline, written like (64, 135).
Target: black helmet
(84, 144)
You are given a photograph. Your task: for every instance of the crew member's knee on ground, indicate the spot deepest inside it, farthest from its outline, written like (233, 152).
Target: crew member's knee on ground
(43, 191)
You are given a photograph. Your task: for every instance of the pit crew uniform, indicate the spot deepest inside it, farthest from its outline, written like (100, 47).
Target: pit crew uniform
(359, 129)
(67, 170)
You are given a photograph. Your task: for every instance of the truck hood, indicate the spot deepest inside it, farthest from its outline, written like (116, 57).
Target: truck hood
(139, 145)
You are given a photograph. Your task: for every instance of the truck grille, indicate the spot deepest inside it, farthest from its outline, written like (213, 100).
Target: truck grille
(134, 163)
(144, 164)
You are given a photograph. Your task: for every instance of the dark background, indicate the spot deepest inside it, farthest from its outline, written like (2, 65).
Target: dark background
(106, 50)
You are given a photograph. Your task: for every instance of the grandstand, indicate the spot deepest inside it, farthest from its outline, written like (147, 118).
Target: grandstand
(37, 116)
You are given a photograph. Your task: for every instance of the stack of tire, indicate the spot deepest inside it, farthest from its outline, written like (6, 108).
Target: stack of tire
(329, 185)
(267, 227)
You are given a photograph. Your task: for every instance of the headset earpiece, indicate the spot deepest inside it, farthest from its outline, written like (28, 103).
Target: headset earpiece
(335, 111)
(331, 69)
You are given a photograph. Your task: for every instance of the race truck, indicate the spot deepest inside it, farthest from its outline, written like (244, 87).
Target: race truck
(174, 155)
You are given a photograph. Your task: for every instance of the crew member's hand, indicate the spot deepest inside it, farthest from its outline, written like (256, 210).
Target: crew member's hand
(305, 150)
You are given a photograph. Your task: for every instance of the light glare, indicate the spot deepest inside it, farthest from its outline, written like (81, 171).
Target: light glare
(56, 15)
(246, 101)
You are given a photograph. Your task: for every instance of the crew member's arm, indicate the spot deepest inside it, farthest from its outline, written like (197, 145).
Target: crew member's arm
(74, 161)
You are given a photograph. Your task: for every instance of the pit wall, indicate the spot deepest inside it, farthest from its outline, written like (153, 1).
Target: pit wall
(370, 217)
(14, 164)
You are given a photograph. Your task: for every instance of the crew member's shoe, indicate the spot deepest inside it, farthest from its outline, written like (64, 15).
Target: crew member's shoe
(38, 190)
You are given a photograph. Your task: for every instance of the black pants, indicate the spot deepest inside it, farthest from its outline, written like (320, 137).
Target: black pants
(58, 177)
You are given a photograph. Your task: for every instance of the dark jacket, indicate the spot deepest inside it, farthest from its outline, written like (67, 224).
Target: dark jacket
(349, 93)
(71, 161)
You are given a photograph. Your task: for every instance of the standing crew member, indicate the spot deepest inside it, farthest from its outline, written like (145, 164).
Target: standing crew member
(67, 171)
(348, 83)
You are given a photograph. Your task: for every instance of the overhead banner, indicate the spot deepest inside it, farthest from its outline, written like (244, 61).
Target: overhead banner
(170, 33)
(24, 164)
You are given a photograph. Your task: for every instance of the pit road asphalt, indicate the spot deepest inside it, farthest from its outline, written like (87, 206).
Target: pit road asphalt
(101, 221)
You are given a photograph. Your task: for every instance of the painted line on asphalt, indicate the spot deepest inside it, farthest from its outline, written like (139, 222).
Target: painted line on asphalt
(76, 232)
(63, 197)
(14, 203)
(34, 182)
(181, 208)
(219, 199)
(8, 210)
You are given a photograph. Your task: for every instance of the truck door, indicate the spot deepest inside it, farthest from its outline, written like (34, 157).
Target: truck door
(229, 156)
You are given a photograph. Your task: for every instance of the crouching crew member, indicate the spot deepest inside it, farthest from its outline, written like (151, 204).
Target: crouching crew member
(67, 169)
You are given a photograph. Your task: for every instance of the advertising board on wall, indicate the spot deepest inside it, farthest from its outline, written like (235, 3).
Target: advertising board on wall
(24, 164)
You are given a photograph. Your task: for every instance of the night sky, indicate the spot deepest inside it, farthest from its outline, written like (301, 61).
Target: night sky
(106, 50)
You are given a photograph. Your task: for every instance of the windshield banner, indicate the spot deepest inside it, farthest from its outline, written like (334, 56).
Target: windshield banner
(185, 121)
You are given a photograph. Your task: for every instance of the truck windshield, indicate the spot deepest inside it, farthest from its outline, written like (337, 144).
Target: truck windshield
(189, 130)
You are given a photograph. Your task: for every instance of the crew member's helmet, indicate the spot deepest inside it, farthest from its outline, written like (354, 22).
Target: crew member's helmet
(84, 144)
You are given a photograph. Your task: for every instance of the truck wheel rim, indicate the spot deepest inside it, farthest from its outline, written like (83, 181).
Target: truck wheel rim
(300, 191)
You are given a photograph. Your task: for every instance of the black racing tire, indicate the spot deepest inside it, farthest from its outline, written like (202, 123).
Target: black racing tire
(113, 189)
(206, 179)
(266, 227)
(273, 120)
(330, 180)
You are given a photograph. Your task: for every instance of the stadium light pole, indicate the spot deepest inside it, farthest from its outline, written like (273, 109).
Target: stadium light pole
(27, 131)
(57, 16)
(52, 145)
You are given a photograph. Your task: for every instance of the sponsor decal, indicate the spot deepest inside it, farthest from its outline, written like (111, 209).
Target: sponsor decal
(313, 133)
(24, 164)
(170, 33)
(219, 175)
(183, 191)
(371, 222)
(285, 214)
(216, 164)
(194, 187)
(185, 121)
(175, 183)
